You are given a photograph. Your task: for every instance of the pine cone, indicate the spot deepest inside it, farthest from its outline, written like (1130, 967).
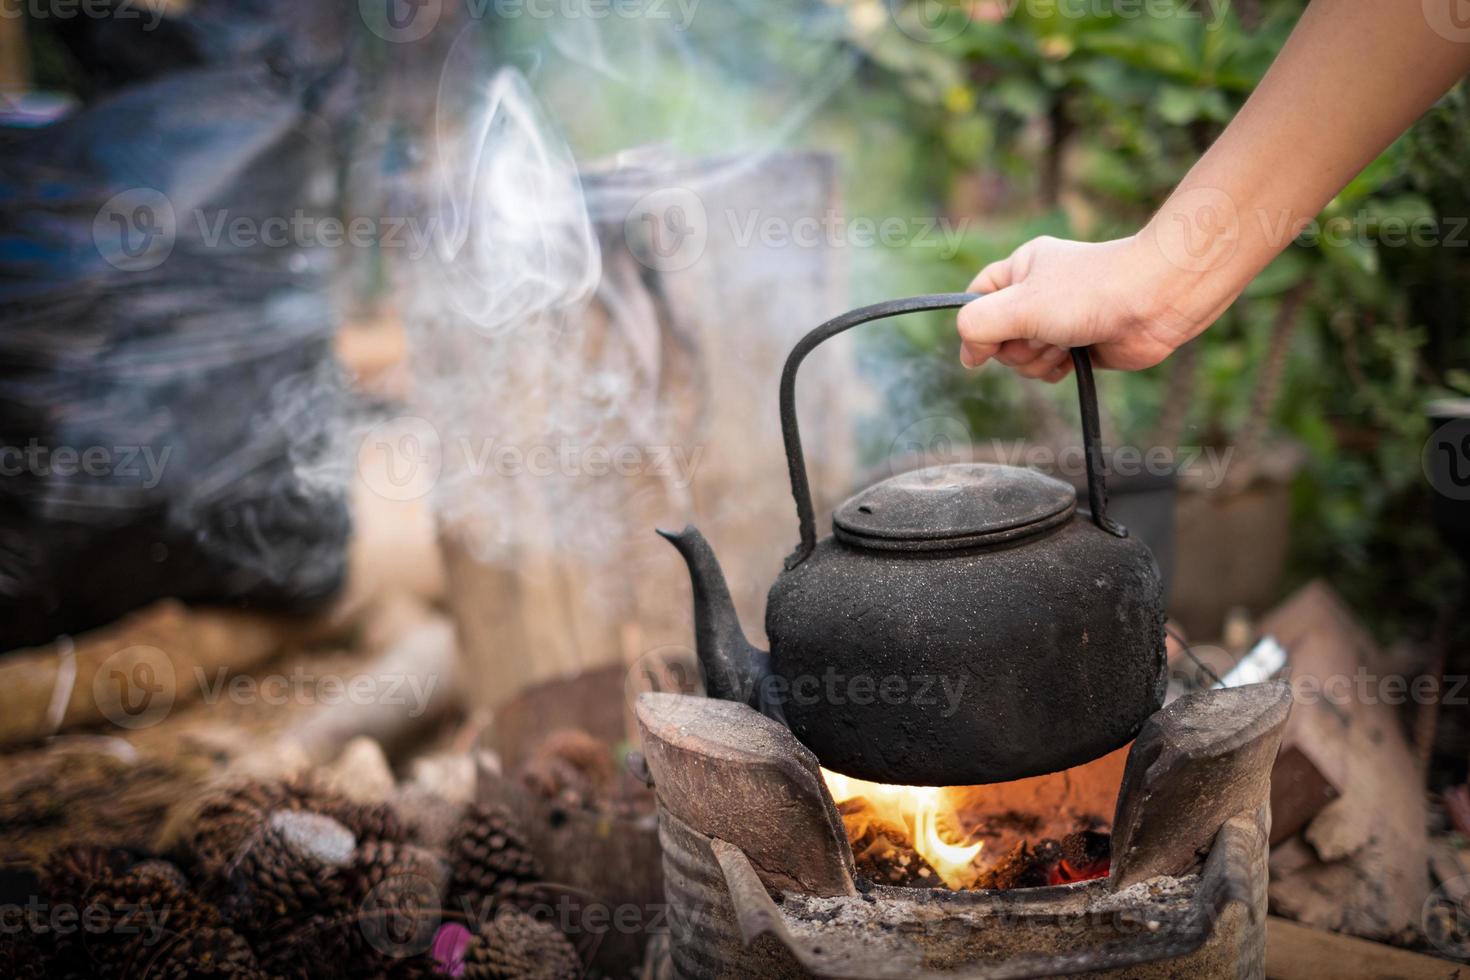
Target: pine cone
(226, 819)
(333, 931)
(369, 821)
(128, 912)
(293, 868)
(377, 861)
(317, 948)
(571, 766)
(492, 862)
(516, 947)
(71, 873)
(399, 890)
(25, 955)
(418, 967)
(214, 951)
(149, 896)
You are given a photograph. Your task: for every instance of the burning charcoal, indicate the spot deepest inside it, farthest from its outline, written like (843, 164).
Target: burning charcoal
(517, 947)
(572, 767)
(1086, 854)
(1049, 851)
(883, 849)
(1020, 868)
(1087, 847)
(491, 860)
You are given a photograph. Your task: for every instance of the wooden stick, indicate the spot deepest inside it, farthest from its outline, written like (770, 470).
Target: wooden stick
(15, 69)
(1296, 952)
(132, 672)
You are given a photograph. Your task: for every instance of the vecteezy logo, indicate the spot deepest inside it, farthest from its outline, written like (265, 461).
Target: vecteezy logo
(135, 230)
(401, 914)
(400, 21)
(929, 21)
(1446, 918)
(931, 441)
(135, 688)
(663, 670)
(1450, 19)
(1201, 230)
(667, 229)
(1446, 459)
(401, 458)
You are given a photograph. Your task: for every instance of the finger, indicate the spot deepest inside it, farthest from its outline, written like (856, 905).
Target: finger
(996, 275)
(1060, 371)
(975, 355)
(995, 318)
(1019, 353)
(1044, 363)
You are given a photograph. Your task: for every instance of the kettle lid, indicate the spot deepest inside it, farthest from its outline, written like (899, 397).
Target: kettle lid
(960, 505)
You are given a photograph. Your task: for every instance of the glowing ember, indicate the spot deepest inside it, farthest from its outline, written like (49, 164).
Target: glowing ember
(919, 809)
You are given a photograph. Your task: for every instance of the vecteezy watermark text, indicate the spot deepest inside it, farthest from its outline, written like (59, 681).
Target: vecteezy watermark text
(937, 21)
(668, 229)
(301, 686)
(403, 458)
(149, 11)
(137, 229)
(833, 229)
(38, 918)
(144, 464)
(405, 21)
(138, 686)
(302, 229)
(1209, 463)
(838, 688)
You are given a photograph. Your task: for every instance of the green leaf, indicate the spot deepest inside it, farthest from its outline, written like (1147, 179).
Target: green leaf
(1178, 106)
(1021, 97)
(1285, 271)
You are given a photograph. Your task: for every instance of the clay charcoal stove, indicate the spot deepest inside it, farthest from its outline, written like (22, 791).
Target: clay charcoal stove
(1151, 859)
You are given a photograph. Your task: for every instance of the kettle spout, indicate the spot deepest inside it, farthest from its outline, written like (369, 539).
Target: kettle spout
(733, 669)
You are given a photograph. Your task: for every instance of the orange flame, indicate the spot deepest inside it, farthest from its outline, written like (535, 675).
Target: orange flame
(919, 808)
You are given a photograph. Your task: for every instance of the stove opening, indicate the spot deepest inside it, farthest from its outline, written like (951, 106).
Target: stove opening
(1046, 830)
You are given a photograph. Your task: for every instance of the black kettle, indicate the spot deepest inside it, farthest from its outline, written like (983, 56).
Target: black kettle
(962, 624)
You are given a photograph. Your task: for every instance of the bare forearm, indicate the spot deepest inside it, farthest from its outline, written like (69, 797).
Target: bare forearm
(1352, 77)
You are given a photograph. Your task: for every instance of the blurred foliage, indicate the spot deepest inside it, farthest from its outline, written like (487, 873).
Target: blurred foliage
(1007, 119)
(1029, 117)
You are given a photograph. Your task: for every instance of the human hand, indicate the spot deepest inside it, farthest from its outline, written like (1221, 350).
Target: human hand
(1122, 298)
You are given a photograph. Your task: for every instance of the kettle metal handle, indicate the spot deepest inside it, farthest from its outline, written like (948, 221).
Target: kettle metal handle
(1097, 490)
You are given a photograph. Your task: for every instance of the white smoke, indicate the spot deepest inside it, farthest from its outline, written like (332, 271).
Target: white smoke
(514, 241)
(536, 355)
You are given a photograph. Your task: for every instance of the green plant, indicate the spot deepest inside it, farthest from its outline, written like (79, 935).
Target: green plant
(1078, 126)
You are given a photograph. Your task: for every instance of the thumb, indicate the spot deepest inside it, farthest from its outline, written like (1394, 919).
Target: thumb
(987, 322)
